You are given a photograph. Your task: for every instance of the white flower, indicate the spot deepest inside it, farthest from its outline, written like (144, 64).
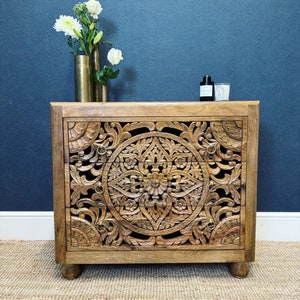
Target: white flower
(94, 8)
(67, 24)
(114, 56)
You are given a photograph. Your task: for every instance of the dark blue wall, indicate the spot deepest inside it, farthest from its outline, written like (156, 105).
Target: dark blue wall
(167, 46)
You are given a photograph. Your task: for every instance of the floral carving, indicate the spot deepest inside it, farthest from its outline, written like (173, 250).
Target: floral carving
(155, 184)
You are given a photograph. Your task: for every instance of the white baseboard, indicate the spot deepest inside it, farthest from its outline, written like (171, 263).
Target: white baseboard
(278, 226)
(270, 226)
(29, 225)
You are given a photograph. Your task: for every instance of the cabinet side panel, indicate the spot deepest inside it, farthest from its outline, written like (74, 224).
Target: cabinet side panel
(251, 190)
(58, 182)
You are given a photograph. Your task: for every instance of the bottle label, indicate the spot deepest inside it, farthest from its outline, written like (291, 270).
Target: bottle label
(206, 90)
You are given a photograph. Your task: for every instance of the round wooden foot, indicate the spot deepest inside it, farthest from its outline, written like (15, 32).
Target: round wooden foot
(239, 270)
(71, 271)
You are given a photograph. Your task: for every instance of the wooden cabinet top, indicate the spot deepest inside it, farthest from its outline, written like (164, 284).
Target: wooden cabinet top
(144, 109)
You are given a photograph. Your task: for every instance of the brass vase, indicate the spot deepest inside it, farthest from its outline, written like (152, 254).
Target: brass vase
(104, 93)
(83, 79)
(95, 63)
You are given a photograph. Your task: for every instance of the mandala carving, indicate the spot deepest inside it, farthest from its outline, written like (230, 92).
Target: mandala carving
(155, 184)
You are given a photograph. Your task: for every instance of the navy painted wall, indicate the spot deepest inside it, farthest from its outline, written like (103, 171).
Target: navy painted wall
(167, 45)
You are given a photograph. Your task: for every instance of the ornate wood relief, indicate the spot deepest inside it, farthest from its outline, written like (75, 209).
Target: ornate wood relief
(155, 184)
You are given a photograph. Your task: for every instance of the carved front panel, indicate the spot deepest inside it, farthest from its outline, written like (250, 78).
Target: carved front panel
(154, 185)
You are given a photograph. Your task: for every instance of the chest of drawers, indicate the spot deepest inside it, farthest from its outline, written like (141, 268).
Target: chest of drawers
(154, 182)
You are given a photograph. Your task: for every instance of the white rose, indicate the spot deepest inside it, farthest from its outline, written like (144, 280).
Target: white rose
(114, 56)
(94, 8)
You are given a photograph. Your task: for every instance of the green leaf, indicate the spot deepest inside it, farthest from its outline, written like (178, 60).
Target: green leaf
(82, 45)
(85, 31)
(71, 45)
(91, 47)
(114, 74)
(70, 41)
(102, 75)
(91, 36)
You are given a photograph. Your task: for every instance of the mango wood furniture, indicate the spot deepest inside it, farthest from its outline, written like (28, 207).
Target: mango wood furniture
(155, 182)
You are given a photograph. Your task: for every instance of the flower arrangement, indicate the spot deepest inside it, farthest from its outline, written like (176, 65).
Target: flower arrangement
(114, 56)
(84, 36)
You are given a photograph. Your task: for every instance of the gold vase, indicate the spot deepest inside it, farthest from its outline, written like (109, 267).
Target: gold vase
(95, 64)
(104, 93)
(83, 80)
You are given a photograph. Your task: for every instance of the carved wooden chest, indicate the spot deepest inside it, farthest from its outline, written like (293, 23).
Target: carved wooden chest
(155, 182)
